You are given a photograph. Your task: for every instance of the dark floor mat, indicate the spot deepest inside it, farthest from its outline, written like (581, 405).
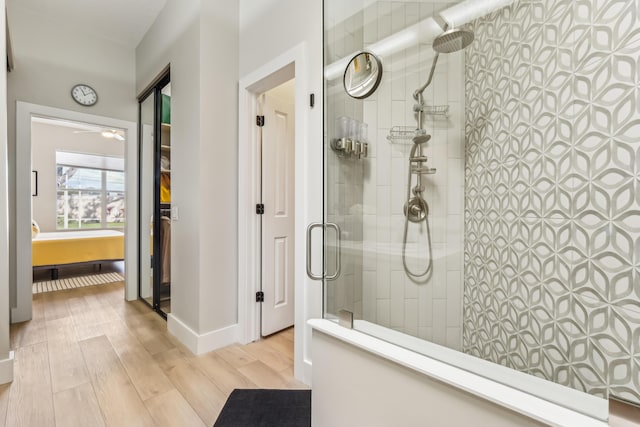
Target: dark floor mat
(266, 408)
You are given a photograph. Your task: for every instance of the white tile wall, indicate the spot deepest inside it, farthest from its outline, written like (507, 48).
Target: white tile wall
(366, 197)
(431, 310)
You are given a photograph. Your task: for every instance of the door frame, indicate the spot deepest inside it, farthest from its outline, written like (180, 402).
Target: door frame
(155, 89)
(291, 64)
(24, 276)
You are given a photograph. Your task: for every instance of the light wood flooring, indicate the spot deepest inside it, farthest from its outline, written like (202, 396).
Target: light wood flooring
(88, 358)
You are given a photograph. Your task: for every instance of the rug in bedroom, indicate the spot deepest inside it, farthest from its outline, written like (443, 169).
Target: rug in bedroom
(76, 282)
(266, 408)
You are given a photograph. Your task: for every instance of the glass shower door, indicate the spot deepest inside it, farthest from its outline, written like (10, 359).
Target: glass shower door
(394, 172)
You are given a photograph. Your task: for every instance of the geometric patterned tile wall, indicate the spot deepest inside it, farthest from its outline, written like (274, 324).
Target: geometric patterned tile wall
(552, 239)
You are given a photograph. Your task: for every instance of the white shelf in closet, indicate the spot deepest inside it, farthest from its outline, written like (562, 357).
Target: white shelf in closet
(165, 147)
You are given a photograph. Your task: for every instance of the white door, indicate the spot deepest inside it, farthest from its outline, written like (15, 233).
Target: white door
(278, 219)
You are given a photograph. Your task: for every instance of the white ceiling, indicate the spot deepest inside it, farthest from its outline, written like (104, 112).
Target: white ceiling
(121, 21)
(77, 128)
(285, 92)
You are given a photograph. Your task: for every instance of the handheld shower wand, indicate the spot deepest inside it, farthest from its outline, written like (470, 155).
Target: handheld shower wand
(416, 208)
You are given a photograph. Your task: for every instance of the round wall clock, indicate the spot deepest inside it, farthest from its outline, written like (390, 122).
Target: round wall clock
(84, 95)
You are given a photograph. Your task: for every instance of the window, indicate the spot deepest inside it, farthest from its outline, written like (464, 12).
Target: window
(89, 198)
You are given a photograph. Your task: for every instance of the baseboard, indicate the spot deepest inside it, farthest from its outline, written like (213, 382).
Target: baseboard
(202, 343)
(19, 315)
(6, 369)
(304, 374)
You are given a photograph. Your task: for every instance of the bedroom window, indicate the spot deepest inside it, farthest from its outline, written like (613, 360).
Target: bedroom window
(89, 198)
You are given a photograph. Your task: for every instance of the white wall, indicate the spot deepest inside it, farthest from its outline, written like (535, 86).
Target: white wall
(49, 60)
(174, 39)
(268, 29)
(6, 365)
(218, 163)
(199, 41)
(46, 139)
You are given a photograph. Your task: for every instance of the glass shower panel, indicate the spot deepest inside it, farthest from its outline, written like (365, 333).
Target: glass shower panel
(401, 272)
(496, 212)
(147, 196)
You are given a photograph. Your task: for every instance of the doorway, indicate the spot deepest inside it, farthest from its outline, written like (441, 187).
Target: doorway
(294, 63)
(277, 208)
(78, 204)
(69, 204)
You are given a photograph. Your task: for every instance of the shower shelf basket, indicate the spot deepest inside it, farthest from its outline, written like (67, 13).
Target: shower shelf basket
(433, 110)
(404, 133)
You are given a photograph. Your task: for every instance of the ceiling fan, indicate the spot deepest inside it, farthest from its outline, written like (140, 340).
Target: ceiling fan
(106, 133)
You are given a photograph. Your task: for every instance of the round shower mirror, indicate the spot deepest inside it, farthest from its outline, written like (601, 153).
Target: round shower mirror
(363, 74)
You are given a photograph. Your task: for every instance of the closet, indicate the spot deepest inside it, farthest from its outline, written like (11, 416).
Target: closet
(154, 207)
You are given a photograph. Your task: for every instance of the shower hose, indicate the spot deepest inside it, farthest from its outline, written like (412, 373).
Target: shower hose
(424, 207)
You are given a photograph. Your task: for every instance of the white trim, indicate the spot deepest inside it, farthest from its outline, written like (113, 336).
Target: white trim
(24, 111)
(6, 369)
(200, 344)
(524, 403)
(266, 77)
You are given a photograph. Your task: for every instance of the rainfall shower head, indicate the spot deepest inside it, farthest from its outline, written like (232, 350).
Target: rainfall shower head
(452, 40)
(421, 139)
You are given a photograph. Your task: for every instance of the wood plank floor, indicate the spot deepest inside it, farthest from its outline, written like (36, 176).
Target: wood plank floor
(89, 358)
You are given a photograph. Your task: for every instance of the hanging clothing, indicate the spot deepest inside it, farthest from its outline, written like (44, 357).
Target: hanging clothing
(165, 187)
(165, 249)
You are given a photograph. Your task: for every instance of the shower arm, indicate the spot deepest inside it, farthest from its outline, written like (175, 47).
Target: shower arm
(417, 95)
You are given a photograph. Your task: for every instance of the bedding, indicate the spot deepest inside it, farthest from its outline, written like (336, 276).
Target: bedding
(71, 247)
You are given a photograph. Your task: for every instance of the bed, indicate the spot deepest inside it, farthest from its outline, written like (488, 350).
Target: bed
(62, 248)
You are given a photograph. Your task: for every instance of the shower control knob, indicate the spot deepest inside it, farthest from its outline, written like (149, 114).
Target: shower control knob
(416, 209)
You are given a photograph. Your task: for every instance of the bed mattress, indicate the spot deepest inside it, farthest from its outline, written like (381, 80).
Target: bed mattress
(70, 247)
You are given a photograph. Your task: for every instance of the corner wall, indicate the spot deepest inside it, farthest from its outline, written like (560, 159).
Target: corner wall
(219, 55)
(174, 38)
(199, 41)
(6, 364)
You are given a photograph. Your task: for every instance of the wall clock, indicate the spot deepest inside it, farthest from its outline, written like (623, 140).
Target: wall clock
(84, 95)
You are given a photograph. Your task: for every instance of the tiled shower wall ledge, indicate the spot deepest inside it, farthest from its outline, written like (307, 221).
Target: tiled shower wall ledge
(552, 239)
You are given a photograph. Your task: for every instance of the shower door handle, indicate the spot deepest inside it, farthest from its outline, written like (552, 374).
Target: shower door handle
(309, 231)
(335, 227)
(324, 227)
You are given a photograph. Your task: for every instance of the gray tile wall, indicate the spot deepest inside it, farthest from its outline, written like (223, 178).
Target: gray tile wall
(552, 239)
